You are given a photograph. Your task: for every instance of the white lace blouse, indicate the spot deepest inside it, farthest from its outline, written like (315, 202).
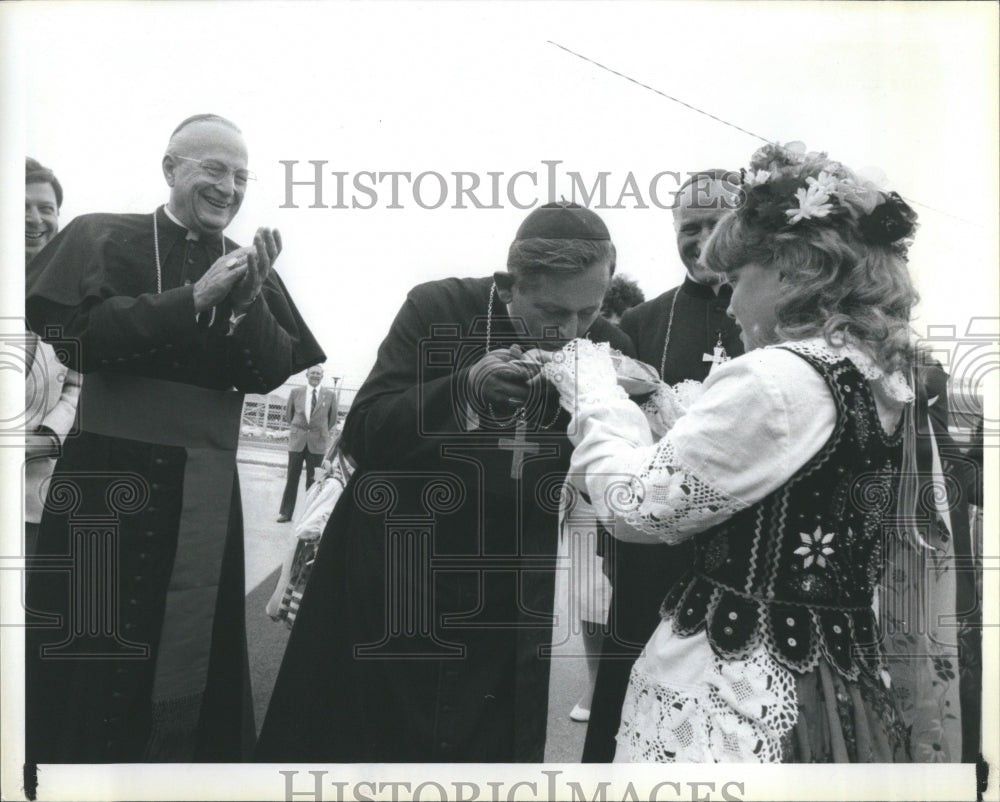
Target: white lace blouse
(756, 421)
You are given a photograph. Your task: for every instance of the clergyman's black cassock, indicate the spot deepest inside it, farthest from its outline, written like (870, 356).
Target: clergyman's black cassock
(641, 574)
(135, 649)
(422, 632)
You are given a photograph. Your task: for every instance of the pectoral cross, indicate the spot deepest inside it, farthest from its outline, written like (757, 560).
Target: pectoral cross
(518, 447)
(718, 355)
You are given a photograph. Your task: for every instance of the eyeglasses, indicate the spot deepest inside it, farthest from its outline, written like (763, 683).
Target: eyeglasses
(217, 171)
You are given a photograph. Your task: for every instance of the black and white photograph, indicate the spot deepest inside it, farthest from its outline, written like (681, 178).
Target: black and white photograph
(498, 401)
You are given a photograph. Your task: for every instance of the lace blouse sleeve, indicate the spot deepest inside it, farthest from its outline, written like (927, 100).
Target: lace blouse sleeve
(759, 419)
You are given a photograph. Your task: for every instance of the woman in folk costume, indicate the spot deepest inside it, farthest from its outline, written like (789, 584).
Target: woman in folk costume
(784, 467)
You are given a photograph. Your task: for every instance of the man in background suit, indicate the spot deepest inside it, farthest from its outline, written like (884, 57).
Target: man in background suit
(311, 413)
(51, 388)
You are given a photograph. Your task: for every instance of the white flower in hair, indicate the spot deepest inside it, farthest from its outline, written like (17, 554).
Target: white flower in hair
(755, 177)
(812, 204)
(825, 182)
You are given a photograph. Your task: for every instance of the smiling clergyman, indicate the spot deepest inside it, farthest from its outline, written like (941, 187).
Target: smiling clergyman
(174, 323)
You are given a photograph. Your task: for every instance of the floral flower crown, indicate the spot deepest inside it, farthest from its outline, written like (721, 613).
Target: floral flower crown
(786, 187)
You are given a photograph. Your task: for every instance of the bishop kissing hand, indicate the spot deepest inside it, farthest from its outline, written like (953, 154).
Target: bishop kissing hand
(502, 378)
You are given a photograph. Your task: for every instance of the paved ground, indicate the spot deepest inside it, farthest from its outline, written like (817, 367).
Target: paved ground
(262, 477)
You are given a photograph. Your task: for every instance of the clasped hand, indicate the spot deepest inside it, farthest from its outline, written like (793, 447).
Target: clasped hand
(506, 377)
(239, 274)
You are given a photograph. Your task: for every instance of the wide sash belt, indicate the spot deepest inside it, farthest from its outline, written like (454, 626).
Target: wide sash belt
(206, 424)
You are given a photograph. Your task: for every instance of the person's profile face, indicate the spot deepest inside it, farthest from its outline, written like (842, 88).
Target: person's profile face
(756, 291)
(700, 206)
(314, 376)
(41, 217)
(201, 199)
(558, 307)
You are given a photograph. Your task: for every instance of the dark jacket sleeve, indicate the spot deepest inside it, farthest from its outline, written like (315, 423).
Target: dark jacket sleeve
(84, 286)
(404, 407)
(111, 327)
(272, 342)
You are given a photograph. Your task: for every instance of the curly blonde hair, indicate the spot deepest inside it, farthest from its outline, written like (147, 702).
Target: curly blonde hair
(845, 272)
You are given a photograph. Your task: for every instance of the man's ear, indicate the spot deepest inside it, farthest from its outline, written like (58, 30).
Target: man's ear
(168, 165)
(505, 284)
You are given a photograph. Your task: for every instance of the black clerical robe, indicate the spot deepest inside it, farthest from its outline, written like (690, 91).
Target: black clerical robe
(641, 574)
(423, 630)
(136, 648)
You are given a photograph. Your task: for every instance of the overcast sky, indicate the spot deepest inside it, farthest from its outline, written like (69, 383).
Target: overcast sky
(444, 88)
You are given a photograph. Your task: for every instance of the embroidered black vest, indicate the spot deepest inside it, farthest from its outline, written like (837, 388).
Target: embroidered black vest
(797, 570)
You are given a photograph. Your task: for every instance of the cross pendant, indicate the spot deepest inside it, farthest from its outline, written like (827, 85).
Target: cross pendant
(518, 447)
(718, 356)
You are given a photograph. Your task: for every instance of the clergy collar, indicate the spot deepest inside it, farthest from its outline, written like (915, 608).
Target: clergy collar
(192, 235)
(173, 219)
(698, 290)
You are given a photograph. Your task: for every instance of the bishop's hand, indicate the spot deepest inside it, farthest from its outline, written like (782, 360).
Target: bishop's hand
(220, 279)
(260, 257)
(503, 379)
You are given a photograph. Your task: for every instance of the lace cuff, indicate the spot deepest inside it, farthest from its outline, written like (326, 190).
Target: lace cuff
(669, 403)
(584, 375)
(669, 501)
(739, 712)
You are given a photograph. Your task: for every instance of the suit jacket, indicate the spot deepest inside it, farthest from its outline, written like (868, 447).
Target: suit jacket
(312, 434)
(51, 391)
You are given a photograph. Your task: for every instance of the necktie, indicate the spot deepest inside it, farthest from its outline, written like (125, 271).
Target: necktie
(312, 409)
